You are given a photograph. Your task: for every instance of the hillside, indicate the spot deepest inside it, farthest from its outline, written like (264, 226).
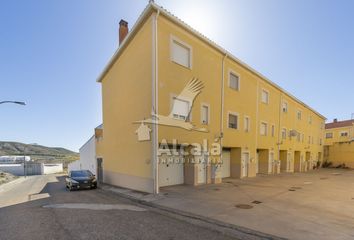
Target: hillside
(37, 152)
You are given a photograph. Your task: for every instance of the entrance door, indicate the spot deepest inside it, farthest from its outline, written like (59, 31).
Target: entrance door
(244, 164)
(171, 171)
(99, 170)
(202, 165)
(271, 163)
(225, 166)
(288, 163)
(257, 162)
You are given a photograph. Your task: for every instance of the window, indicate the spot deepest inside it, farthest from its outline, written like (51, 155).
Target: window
(264, 129)
(310, 119)
(309, 140)
(344, 134)
(302, 137)
(181, 53)
(265, 96)
(180, 109)
(285, 107)
(329, 135)
(205, 114)
(298, 136)
(283, 133)
(299, 115)
(233, 121)
(234, 81)
(273, 130)
(247, 124)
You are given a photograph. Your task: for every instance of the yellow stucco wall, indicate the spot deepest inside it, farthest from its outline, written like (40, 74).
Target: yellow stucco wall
(336, 135)
(126, 91)
(126, 97)
(339, 153)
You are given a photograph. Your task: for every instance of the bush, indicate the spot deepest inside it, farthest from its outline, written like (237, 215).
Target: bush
(326, 164)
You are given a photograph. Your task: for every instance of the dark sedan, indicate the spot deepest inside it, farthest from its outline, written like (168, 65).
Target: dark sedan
(80, 179)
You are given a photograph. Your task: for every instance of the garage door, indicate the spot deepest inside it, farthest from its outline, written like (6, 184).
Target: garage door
(170, 171)
(225, 166)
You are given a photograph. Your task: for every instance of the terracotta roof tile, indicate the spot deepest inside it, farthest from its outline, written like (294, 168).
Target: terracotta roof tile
(345, 123)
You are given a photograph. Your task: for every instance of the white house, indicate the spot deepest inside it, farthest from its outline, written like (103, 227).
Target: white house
(87, 157)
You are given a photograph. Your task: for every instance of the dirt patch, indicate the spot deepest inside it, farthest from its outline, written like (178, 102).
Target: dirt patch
(6, 177)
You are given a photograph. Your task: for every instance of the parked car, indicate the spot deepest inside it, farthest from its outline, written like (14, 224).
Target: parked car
(80, 179)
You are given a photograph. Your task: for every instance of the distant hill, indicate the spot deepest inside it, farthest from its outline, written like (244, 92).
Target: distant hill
(38, 152)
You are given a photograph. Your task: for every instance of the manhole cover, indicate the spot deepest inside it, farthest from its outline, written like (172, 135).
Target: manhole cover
(296, 188)
(336, 174)
(323, 178)
(244, 206)
(216, 189)
(292, 190)
(165, 194)
(256, 202)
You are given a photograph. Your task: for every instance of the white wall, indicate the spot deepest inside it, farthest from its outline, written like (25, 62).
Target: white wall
(87, 157)
(15, 169)
(52, 168)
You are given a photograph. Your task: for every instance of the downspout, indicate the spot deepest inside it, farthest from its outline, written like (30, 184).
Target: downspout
(155, 104)
(222, 105)
(279, 128)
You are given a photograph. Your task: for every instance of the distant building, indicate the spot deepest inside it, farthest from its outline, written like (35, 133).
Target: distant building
(14, 159)
(339, 143)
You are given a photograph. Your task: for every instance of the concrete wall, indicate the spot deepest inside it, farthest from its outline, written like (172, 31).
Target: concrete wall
(15, 169)
(52, 168)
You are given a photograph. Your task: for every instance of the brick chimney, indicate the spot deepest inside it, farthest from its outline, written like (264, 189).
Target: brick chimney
(123, 30)
(335, 120)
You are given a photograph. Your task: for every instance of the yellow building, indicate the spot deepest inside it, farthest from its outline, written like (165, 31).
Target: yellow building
(167, 86)
(339, 143)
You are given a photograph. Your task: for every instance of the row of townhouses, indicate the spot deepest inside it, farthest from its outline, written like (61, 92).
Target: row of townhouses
(179, 109)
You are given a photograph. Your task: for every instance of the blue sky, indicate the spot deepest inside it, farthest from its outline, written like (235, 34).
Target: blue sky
(51, 53)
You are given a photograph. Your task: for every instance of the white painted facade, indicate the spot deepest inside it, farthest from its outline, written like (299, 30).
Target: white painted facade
(87, 157)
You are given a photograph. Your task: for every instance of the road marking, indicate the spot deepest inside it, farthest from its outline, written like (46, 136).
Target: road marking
(92, 206)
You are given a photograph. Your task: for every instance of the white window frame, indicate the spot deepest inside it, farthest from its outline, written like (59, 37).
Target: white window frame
(266, 129)
(266, 91)
(239, 80)
(246, 127)
(201, 113)
(327, 135)
(172, 97)
(299, 113)
(174, 39)
(238, 120)
(346, 132)
(283, 136)
(284, 103)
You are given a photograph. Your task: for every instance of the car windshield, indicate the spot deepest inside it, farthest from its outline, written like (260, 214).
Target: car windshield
(81, 174)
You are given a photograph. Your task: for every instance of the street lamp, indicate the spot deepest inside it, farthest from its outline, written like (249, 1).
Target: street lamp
(15, 102)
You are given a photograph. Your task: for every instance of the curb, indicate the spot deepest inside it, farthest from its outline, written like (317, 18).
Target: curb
(246, 232)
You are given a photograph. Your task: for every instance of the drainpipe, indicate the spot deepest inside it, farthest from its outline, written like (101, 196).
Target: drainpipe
(155, 104)
(222, 104)
(279, 128)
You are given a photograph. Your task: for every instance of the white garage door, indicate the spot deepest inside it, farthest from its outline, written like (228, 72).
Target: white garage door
(225, 166)
(170, 172)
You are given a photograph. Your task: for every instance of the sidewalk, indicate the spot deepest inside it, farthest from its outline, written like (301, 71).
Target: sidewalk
(159, 202)
(312, 205)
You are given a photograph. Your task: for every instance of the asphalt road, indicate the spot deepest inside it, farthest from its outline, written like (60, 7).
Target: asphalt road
(41, 208)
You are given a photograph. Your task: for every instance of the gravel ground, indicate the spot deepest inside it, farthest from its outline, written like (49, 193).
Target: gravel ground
(6, 177)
